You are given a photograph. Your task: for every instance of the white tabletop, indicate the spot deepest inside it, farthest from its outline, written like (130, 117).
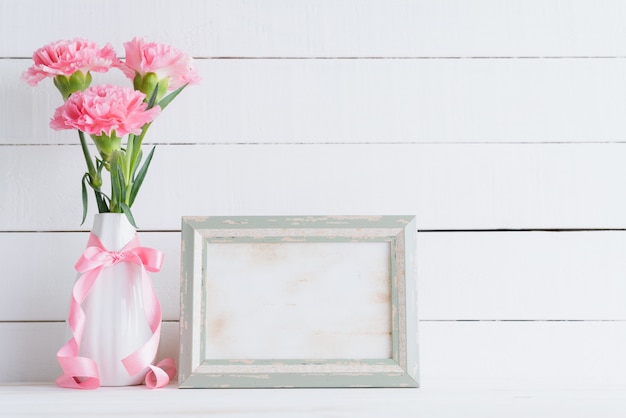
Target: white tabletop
(46, 400)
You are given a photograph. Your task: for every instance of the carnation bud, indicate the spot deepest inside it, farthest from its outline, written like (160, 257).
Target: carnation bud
(148, 82)
(107, 146)
(78, 81)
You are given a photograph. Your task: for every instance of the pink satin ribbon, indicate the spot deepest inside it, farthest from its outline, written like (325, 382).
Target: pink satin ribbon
(82, 372)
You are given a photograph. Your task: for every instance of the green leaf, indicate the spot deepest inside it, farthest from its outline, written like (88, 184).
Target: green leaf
(129, 215)
(121, 163)
(153, 97)
(122, 183)
(139, 157)
(84, 195)
(103, 198)
(168, 99)
(140, 177)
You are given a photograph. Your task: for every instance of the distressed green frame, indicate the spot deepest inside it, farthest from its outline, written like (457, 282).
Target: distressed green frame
(401, 370)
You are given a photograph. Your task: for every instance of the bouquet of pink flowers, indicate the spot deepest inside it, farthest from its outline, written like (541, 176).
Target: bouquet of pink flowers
(107, 113)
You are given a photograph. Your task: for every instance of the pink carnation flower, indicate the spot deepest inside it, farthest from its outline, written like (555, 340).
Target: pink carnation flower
(102, 109)
(165, 61)
(67, 57)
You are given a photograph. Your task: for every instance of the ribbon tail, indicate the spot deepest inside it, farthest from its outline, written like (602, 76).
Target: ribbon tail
(78, 372)
(142, 357)
(161, 374)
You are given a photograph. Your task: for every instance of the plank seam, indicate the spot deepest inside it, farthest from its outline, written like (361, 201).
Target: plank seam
(522, 320)
(308, 143)
(556, 230)
(423, 57)
(58, 321)
(425, 231)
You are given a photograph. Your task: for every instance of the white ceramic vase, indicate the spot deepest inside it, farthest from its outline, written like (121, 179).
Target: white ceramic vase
(116, 324)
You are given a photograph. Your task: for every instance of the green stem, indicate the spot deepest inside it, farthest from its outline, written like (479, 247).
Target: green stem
(137, 141)
(134, 155)
(127, 173)
(94, 178)
(90, 167)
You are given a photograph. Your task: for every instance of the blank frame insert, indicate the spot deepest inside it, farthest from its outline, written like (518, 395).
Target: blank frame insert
(297, 300)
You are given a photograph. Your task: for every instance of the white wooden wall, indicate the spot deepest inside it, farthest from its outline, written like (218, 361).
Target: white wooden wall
(499, 123)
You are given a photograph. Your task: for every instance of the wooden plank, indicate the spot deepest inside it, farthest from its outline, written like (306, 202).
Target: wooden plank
(310, 28)
(522, 275)
(497, 355)
(535, 28)
(39, 273)
(473, 186)
(461, 276)
(30, 349)
(535, 354)
(362, 101)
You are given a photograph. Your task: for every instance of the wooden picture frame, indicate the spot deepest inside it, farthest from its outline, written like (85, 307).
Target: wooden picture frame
(260, 309)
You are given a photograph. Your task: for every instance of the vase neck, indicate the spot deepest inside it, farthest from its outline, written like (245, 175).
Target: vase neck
(113, 230)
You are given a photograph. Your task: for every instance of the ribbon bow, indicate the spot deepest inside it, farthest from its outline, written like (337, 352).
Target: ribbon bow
(82, 372)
